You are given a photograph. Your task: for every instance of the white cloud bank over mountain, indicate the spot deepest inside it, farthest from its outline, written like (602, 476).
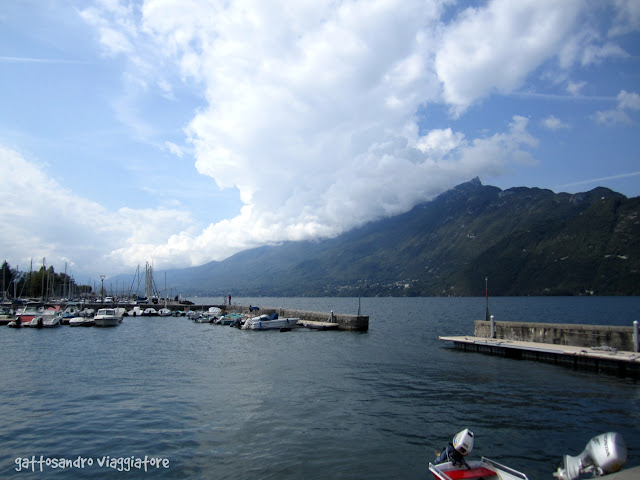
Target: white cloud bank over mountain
(313, 110)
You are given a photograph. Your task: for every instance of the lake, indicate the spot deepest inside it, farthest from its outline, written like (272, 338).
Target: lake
(189, 400)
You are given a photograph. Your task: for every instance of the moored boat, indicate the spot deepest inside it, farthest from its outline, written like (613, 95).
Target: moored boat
(108, 317)
(70, 311)
(229, 318)
(28, 312)
(6, 315)
(269, 322)
(81, 322)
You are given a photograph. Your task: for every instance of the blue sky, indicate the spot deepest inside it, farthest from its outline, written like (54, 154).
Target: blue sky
(180, 132)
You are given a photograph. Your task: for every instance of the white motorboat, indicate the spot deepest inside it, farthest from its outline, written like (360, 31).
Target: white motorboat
(51, 321)
(269, 322)
(603, 455)
(164, 312)
(81, 322)
(108, 317)
(136, 311)
(35, 322)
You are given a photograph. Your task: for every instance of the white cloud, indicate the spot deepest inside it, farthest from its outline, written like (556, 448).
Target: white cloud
(311, 107)
(554, 123)
(574, 88)
(493, 49)
(628, 100)
(174, 149)
(619, 116)
(45, 219)
(115, 24)
(627, 17)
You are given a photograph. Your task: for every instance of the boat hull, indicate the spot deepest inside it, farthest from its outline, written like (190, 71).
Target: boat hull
(108, 317)
(265, 324)
(106, 322)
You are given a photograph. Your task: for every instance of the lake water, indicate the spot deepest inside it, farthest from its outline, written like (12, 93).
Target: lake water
(215, 402)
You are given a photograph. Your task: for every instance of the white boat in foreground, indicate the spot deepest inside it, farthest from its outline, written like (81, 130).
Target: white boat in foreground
(603, 455)
(108, 317)
(272, 322)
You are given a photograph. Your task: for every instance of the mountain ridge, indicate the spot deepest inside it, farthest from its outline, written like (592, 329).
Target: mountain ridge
(528, 241)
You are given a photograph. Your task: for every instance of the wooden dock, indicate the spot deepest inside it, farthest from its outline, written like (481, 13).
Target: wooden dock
(603, 359)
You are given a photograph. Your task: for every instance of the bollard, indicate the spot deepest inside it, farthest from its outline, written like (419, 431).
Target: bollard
(493, 327)
(636, 346)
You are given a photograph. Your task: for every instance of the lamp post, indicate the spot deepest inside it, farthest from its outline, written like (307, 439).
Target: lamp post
(486, 295)
(102, 288)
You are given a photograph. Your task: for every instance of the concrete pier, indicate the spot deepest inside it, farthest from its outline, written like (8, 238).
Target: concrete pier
(358, 323)
(610, 349)
(317, 320)
(620, 338)
(604, 360)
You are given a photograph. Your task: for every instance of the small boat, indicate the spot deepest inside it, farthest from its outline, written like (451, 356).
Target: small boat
(136, 311)
(201, 318)
(603, 455)
(211, 315)
(229, 318)
(6, 315)
(108, 317)
(36, 322)
(70, 311)
(81, 322)
(150, 312)
(28, 312)
(269, 322)
(164, 312)
(51, 321)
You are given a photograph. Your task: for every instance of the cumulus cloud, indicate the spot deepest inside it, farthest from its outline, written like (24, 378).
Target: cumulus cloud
(310, 108)
(619, 116)
(493, 49)
(574, 88)
(49, 220)
(554, 123)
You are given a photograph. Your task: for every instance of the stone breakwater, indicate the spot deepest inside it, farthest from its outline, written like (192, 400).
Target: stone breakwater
(620, 338)
(358, 323)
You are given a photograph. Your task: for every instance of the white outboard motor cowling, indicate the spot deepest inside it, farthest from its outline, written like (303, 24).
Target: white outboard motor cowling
(604, 454)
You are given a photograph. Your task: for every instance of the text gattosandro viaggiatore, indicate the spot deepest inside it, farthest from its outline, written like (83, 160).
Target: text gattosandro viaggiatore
(121, 464)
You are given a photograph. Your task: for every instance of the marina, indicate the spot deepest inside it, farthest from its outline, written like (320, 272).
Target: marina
(201, 313)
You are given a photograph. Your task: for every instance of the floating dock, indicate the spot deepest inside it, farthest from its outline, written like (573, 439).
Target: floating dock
(603, 359)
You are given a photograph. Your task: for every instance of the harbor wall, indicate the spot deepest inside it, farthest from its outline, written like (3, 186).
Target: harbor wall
(359, 323)
(620, 338)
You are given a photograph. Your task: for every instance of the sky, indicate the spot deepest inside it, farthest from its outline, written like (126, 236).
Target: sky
(177, 132)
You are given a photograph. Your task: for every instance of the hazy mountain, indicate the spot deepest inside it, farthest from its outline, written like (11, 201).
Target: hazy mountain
(528, 241)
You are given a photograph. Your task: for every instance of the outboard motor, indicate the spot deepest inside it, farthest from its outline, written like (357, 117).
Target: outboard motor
(604, 454)
(458, 449)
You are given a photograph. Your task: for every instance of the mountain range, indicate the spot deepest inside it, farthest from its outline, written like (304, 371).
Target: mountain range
(526, 241)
